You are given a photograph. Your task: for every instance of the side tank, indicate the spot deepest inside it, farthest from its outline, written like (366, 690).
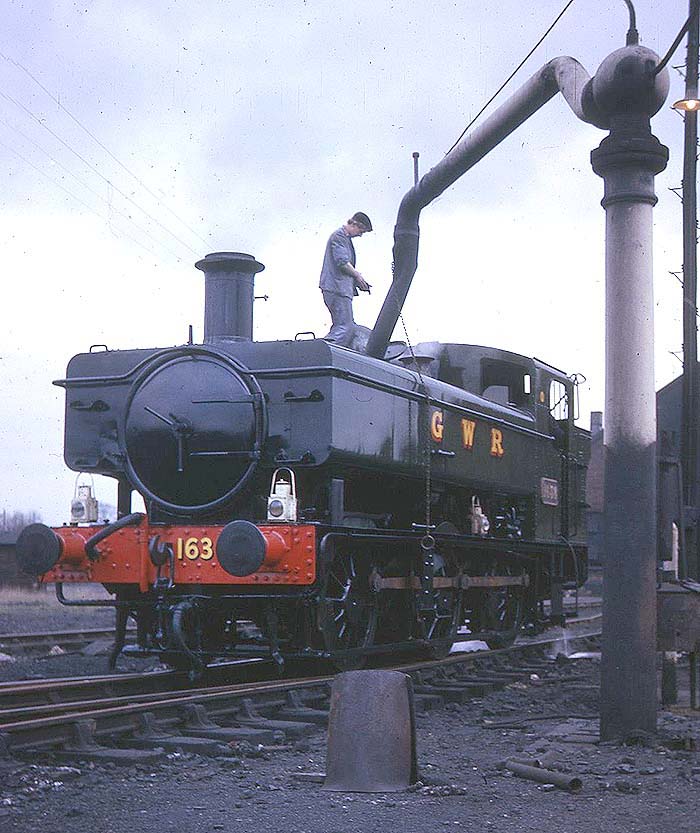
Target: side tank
(188, 426)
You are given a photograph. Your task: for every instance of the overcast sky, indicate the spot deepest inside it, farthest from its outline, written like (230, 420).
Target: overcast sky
(138, 135)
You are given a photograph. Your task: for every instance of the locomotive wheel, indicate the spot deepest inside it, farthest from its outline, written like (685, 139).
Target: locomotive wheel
(441, 622)
(503, 611)
(347, 609)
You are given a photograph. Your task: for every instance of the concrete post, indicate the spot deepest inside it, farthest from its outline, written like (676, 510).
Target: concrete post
(626, 89)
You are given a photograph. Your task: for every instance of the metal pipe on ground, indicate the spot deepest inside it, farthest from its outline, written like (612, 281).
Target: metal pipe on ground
(563, 780)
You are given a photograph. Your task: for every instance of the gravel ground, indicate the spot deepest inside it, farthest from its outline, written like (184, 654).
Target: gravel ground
(30, 611)
(26, 611)
(463, 786)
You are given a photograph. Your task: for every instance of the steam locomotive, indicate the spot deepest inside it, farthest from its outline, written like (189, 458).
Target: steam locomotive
(309, 500)
(344, 504)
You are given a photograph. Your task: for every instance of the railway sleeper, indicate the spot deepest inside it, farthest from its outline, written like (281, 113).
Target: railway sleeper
(205, 730)
(211, 740)
(453, 694)
(297, 709)
(250, 716)
(199, 723)
(81, 743)
(427, 701)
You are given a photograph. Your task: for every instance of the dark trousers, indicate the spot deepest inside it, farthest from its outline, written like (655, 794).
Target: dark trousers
(343, 326)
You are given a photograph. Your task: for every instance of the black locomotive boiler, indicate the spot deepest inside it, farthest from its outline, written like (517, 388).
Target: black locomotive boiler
(344, 504)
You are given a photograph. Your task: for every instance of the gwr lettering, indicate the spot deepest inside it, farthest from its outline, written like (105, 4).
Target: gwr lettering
(497, 443)
(468, 432)
(468, 428)
(436, 426)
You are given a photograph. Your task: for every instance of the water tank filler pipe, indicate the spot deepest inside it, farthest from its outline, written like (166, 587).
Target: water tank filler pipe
(564, 75)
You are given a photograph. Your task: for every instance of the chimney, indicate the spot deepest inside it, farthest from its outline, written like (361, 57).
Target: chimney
(228, 295)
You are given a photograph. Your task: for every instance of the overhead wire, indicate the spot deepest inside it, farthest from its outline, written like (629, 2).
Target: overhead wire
(500, 89)
(102, 145)
(77, 199)
(87, 187)
(97, 171)
(512, 75)
(679, 37)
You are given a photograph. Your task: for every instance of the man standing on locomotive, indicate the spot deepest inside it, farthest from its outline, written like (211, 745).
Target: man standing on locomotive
(340, 281)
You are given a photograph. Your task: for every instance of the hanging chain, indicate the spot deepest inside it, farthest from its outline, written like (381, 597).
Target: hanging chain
(426, 444)
(426, 600)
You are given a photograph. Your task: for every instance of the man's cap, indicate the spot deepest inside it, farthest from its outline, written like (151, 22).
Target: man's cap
(360, 218)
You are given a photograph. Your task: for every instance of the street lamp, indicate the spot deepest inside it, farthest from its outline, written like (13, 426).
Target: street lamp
(689, 104)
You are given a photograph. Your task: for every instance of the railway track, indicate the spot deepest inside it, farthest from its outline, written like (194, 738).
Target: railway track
(137, 716)
(32, 695)
(41, 643)
(75, 640)
(69, 640)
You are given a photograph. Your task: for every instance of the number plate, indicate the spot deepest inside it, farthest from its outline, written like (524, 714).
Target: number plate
(549, 491)
(194, 548)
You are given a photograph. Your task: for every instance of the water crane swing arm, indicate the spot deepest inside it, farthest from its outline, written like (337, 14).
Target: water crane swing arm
(564, 75)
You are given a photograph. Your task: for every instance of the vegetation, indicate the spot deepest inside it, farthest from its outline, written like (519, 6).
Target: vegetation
(16, 521)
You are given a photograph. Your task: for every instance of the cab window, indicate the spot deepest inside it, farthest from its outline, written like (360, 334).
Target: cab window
(506, 383)
(558, 400)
